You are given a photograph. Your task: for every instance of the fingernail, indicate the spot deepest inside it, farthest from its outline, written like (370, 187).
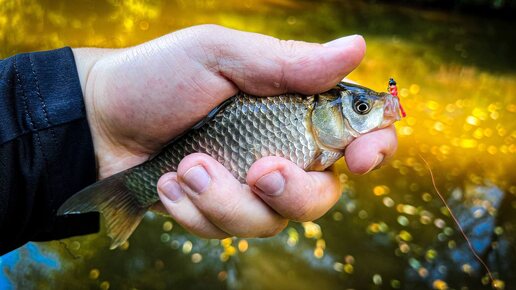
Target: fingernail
(271, 183)
(376, 163)
(197, 179)
(342, 42)
(172, 190)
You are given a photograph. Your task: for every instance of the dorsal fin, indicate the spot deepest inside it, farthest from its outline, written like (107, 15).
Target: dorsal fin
(213, 113)
(199, 124)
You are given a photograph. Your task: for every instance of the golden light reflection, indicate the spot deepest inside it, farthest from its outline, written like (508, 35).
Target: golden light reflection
(381, 190)
(339, 267)
(243, 245)
(104, 285)
(348, 268)
(312, 230)
(431, 254)
(196, 258)
(440, 285)
(167, 226)
(229, 249)
(187, 247)
(124, 246)
(293, 237)
(498, 284)
(94, 274)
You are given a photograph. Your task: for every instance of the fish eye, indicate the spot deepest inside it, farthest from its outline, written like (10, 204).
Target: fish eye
(361, 107)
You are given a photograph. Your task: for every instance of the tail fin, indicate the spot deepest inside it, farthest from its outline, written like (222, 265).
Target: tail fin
(116, 203)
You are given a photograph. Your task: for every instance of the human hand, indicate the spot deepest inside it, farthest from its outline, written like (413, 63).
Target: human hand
(139, 98)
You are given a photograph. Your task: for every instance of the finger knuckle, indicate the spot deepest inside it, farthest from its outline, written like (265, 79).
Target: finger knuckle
(214, 235)
(226, 214)
(287, 58)
(302, 214)
(302, 206)
(288, 48)
(274, 230)
(197, 226)
(204, 229)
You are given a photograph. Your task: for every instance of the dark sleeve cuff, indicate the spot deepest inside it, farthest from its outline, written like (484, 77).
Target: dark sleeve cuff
(49, 149)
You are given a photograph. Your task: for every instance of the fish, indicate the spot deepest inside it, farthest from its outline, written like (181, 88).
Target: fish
(312, 131)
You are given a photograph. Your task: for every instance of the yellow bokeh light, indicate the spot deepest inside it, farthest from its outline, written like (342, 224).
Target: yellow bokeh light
(473, 121)
(243, 245)
(196, 258)
(440, 285)
(94, 274)
(414, 89)
(104, 285)
(167, 226)
(187, 247)
(312, 230)
(498, 284)
(406, 236)
(348, 268)
(381, 190)
(318, 253)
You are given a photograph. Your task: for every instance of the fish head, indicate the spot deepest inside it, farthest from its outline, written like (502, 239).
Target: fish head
(348, 111)
(365, 110)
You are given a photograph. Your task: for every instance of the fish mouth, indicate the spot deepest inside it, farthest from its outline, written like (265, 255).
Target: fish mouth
(391, 110)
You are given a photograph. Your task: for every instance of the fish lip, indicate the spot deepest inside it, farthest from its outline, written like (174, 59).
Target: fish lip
(391, 112)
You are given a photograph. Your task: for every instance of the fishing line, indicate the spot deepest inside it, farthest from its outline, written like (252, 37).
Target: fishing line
(470, 245)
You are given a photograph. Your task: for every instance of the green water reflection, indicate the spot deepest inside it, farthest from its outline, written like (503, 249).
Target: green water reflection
(457, 80)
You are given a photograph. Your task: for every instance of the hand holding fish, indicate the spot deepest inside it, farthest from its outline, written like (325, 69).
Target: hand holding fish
(139, 98)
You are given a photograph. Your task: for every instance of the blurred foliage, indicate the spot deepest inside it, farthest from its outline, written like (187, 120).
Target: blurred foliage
(457, 80)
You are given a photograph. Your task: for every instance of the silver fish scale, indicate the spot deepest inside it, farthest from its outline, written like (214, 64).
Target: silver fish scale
(247, 129)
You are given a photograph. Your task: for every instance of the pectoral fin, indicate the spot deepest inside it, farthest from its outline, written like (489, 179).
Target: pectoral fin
(324, 160)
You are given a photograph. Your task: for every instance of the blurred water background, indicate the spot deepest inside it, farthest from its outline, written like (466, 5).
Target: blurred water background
(455, 66)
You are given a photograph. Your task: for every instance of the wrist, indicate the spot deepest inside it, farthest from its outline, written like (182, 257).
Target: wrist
(86, 59)
(95, 69)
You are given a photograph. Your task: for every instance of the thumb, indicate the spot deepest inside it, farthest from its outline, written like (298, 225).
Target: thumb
(264, 65)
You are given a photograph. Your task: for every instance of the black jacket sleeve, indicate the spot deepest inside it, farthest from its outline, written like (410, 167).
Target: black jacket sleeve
(46, 151)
